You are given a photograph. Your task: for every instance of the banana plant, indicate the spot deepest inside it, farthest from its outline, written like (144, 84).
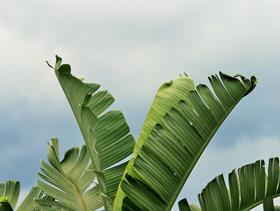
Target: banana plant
(181, 122)
(249, 186)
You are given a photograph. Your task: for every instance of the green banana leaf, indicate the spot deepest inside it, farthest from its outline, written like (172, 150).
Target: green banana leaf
(249, 186)
(181, 122)
(9, 194)
(29, 202)
(69, 184)
(106, 134)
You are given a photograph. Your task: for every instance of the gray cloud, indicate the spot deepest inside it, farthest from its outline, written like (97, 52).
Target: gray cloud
(25, 133)
(130, 47)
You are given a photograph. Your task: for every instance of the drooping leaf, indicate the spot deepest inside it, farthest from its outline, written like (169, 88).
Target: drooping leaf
(181, 122)
(249, 186)
(68, 183)
(106, 134)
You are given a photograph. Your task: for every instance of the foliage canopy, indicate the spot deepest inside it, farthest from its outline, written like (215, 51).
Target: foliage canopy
(179, 125)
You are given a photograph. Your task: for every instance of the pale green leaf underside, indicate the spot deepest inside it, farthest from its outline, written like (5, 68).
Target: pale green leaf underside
(182, 120)
(106, 134)
(29, 201)
(68, 182)
(249, 186)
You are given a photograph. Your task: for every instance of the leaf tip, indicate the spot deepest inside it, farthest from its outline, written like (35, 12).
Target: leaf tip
(49, 64)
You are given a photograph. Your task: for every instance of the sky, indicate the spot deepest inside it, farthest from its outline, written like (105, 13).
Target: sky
(131, 48)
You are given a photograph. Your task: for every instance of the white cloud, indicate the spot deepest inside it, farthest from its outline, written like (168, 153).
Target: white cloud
(23, 72)
(132, 44)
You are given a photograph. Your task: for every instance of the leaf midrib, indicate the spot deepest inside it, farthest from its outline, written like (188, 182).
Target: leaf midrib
(80, 195)
(79, 124)
(181, 184)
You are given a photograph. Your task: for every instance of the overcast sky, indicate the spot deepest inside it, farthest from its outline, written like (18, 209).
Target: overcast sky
(131, 47)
